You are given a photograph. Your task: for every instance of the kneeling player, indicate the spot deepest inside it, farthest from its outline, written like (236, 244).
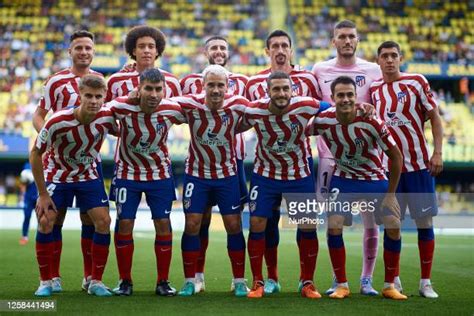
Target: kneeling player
(355, 143)
(72, 139)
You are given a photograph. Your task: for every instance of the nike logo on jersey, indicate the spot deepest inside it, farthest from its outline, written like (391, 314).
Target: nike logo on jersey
(104, 201)
(326, 81)
(235, 207)
(167, 212)
(165, 249)
(424, 210)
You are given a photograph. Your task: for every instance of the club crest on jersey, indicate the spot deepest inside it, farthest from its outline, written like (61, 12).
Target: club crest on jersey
(296, 89)
(359, 142)
(360, 81)
(295, 126)
(160, 128)
(402, 97)
(231, 84)
(225, 119)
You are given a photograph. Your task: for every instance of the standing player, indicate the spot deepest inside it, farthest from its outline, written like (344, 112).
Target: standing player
(217, 53)
(282, 165)
(71, 139)
(144, 166)
(355, 143)
(144, 44)
(62, 91)
(211, 173)
(30, 193)
(303, 83)
(346, 63)
(404, 101)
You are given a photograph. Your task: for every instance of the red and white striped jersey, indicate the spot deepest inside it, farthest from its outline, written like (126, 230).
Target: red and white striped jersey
(71, 147)
(304, 84)
(211, 153)
(356, 146)
(61, 90)
(363, 73)
(121, 83)
(142, 151)
(403, 104)
(192, 84)
(281, 152)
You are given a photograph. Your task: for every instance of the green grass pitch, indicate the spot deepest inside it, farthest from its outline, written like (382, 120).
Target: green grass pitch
(453, 278)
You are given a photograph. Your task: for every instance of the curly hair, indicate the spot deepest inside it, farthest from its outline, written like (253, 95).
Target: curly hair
(141, 31)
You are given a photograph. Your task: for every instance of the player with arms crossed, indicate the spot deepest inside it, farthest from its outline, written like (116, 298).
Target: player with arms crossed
(404, 101)
(355, 143)
(144, 166)
(282, 165)
(71, 139)
(61, 91)
(346, 63)
(217, 52)
(211, 173)
(303, 83)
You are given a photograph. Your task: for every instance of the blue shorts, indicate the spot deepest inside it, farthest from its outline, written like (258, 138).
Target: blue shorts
(244, 192)
(159, 194)
(89, 194)
(197, 194)
(416, 190)
(266, 193)
(346, 191)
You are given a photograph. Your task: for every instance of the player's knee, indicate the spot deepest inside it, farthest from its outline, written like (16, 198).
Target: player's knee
(193, 224)
(391, 222)
(162, 226)
(86, 220)
(335, 223)
(102, 224)
(126, 226)
(233, 226)
(257, 224)
(424, 222)
(60, 216)
(45, 226)
(394, 234)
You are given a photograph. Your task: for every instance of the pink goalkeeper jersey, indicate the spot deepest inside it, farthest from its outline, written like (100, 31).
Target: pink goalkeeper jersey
(211, 153)
(363, 73)
(356, 146)
(192, 84)
(142, 151)
(403, 104)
